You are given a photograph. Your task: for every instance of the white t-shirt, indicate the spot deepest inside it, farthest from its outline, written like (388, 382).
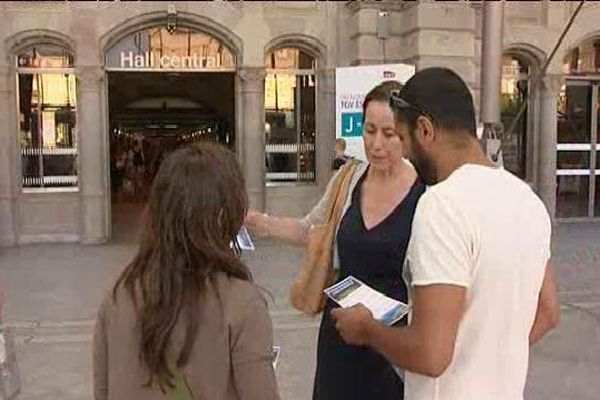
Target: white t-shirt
(485, 230)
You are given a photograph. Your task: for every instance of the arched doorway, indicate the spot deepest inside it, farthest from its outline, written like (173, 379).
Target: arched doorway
(290, 115)
(166, 87)
(516, 145)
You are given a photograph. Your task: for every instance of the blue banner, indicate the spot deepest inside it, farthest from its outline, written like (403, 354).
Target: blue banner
(351, 124)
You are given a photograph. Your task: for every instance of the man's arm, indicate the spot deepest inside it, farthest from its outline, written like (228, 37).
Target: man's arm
(548, 309)
(426, 346)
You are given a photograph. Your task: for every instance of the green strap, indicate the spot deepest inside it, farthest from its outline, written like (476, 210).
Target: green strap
(181, 390)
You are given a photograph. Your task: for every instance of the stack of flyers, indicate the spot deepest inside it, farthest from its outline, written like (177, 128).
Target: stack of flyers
(350, 292)
(275, 355)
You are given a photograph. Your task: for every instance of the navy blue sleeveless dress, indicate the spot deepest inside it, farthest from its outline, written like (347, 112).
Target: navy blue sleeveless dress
(375, 256)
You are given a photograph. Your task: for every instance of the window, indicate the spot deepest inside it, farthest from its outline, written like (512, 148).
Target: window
(514, 91)
(583, 59)
(47, 93)
(184, 49)
(290, 116)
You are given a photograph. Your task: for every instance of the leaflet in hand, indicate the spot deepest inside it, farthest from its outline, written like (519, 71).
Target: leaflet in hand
(244, 239)
(350, 292)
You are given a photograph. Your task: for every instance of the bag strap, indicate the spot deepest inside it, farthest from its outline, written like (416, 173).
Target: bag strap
(335, 192)
(180, 389)
(341, 194)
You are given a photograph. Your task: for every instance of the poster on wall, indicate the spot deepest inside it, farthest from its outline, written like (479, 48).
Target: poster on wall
(351, 86)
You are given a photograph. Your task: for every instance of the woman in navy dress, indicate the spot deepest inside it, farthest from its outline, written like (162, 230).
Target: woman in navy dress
(370, 245)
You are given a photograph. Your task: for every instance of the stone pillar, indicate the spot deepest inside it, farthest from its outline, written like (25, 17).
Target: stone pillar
(92, 155)
(491, 62)
(549, 90)
(325, 140)
(252, 134)
(8, 157)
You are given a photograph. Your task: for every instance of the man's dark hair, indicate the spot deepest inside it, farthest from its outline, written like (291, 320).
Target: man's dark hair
(441, 95)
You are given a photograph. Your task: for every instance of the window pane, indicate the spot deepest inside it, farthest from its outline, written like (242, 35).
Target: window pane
(572, 196)
(289, 58)
(515, 86)
(45, 56)
(597, 111)
(188, 42)
(48, 135)
(597, 198)
(290, 127)
(307, 128)
(279, 92)
(573, 160)
(574, 115)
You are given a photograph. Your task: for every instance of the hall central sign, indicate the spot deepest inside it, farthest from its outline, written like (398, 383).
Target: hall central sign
(147, 60)
(155, 49)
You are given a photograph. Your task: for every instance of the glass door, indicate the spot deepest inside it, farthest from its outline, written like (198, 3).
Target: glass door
(578, 165)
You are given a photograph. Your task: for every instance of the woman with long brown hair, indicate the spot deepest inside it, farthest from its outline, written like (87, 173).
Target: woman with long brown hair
(184, 312)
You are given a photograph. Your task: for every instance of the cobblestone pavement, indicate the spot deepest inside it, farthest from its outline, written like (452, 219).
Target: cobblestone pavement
(53, 291)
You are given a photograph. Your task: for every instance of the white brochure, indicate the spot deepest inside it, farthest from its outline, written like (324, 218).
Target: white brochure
(350, 292)
(244, 239)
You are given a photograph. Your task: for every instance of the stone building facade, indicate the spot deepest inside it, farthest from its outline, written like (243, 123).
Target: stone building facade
(331, 34)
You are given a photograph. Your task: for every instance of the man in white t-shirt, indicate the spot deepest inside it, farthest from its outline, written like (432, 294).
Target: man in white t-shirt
(478, 264)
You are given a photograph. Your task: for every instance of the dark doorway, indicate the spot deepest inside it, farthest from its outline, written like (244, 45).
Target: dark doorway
(152, 114)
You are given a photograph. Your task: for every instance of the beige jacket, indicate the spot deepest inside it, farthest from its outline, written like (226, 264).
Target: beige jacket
(230, 360)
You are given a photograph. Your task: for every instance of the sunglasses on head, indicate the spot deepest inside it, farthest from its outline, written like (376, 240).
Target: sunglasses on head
(398, 103)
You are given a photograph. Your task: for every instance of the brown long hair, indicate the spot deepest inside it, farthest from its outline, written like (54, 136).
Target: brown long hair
(197, 205)
(381, 92)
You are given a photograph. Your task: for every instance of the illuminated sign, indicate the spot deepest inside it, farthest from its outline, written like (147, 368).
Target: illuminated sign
(153, 60)
(157, 49)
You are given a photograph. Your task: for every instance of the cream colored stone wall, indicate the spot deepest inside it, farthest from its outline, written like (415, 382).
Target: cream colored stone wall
(425, 33)
(251, 27)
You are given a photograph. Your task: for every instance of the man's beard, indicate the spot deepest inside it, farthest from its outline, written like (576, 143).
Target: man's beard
(424, 166)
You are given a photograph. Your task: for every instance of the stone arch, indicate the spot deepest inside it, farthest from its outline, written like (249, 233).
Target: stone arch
(590, 35)
(525, 157)
(24, 39)
(201, 23)
(307, 43)
(529, 53)
(581, 39)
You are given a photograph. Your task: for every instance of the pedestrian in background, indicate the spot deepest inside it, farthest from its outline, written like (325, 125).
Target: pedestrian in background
(184, 314)
(340, 154)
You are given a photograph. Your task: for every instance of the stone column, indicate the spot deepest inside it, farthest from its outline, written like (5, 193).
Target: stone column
(325, 140)
(8, 158)
(491, 61)
(92, 155)
(252, 134)
(549, 90)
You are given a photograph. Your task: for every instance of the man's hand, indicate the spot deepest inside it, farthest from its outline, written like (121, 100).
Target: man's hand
(353, 324)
